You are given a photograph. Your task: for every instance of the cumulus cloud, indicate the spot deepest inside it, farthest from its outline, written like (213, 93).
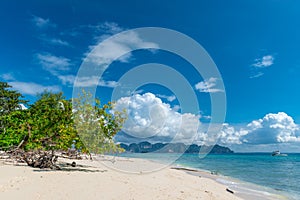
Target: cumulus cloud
(149, 117)
(208, 85)
(176, 108)
(53, 64)
(265, 61)
(272, 128)
(32, 88)
(223, 134)
(228, 135)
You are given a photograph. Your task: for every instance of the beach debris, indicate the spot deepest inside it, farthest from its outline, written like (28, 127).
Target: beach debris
(214, 173)
(41, 159)
(230, 191)
(185, 169)
(37, 159)
(73, 164)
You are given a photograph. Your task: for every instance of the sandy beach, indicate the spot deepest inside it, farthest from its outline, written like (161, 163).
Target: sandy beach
(98, 180)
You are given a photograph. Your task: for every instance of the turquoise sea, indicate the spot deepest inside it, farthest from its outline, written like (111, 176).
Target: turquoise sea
(256, 171)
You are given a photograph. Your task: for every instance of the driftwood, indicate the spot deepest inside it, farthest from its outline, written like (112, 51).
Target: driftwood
(41, 159)
(36, 159)
(230, 191)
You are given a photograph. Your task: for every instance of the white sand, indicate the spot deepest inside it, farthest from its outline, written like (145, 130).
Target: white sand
(97, 181)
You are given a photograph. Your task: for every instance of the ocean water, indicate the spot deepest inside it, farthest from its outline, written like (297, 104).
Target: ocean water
(261, 171)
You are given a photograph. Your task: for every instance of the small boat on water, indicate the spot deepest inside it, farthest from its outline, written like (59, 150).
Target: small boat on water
(277, 153)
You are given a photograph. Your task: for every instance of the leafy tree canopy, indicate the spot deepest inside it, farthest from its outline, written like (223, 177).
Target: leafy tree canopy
(51, 123)
(10, 100)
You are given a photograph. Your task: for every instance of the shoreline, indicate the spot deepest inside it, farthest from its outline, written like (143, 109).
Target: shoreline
(100, 179)
(243, 189)
(95, 180)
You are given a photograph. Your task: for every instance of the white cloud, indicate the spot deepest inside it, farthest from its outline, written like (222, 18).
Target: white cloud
(265, 61)
(67, 79)
(8, 77)
(52, 63)
(110, 50)
(169, 98)
(206, 117)
(272, 128)
(111, 84)
(104, 30)
(40, 22)
(208, 86)
(259, 65)
(148, 117)
(228, 135)
(176, 108)
(86, 81)
(32, 88)
(259, 74)
(107, 28)
(98, 31)
(55, 41)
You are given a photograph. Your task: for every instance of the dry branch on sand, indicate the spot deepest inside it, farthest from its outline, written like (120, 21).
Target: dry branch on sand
(38, 159)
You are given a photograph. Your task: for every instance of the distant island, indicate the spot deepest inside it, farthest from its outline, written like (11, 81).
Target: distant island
(147, 147)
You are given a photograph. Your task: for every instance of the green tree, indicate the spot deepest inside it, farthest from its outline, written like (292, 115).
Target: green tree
(14, 128)
(11, 116)
(10, 100)
(50, 122)
(97, 125)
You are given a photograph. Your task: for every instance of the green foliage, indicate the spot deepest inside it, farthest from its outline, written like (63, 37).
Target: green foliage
(51, 123)
(10, 100)
(11, 116)
(14, 128)
(97, 125)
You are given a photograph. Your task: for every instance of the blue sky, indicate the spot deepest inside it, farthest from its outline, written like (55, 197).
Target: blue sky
(254, 44)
